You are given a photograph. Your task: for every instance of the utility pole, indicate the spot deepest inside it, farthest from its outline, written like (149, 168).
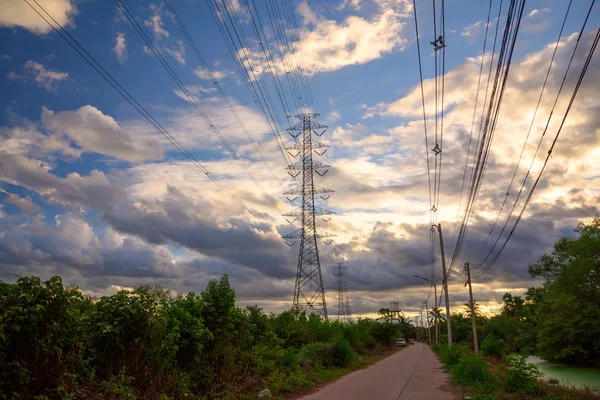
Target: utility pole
(309, 292)
(435, 318)
(436, 322)
(445, 282)
(472, 303)
(422, 326)
(427, 319)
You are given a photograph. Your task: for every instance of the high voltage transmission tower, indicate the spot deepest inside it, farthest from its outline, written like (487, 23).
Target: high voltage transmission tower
(309, 292)
(341, 284)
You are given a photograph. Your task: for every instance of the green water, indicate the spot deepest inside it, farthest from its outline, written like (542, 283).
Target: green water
(567, 374)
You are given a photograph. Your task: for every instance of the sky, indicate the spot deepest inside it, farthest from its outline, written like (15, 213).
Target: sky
(91, 191)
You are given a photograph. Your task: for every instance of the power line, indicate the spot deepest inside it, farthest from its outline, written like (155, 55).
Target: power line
(189, 96)
(216, 83)
(528, 131)
(473, 121)
(431, 232)
(81, 51)
(513, 20)
(575, 91)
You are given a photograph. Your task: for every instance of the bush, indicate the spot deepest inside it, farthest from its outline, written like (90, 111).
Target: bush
(519, 375)
(342, 354)
(492, 346)
(451, 355)
(471, 370)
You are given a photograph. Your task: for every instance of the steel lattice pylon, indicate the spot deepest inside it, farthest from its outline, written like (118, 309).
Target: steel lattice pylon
(309, 292)
(341, 284)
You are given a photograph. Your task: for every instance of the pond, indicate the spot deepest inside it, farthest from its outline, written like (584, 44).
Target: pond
(567, 374)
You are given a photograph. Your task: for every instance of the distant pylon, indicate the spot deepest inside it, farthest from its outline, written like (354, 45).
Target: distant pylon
(341, 284)
(309, 292)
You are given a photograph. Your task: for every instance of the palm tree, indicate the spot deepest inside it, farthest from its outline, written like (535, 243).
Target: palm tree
(472, 309)
(436, 315)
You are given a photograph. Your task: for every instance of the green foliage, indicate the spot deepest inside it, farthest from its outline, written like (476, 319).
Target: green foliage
(492, 346)
(451, 355)
(519, 375)
(470, 370)
(143, 343)
(572, 282)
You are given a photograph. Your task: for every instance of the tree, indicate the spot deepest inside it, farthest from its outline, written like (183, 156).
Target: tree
(472, 309)
(512, 304)
(568, 311)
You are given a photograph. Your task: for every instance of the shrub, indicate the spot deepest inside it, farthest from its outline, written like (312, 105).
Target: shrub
(519, 375)
(289, 359)
(451, 355)
(342, 354)
(492, 346)
(471, 370)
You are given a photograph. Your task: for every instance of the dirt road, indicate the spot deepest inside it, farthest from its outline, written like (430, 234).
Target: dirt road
(413, 373)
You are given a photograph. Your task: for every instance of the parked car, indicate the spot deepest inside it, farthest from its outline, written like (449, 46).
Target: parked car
(400, 342)
(411, 341)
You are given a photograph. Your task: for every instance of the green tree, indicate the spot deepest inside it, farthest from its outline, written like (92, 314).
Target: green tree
(568, 311)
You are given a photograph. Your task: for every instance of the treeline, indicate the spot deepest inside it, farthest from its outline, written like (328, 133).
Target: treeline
(559, 321)
(57, 343)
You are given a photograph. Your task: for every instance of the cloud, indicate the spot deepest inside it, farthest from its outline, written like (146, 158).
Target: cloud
(177, 52)
(94, 190)
(18, 13)
(26, 139)
(95, 132)
(119, 49)
(156, 23)
(537, 20)
(331, 45)
(202, 73)
(24, 203)
(44, 78)
(152, 211)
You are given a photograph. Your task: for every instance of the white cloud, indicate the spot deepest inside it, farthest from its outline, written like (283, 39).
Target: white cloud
(18, 13)
(332, 45)
(177, 52)
(96, 132)
(537, 20)
(120, 48)
(156, 23)
(44, 78)
(202, 73)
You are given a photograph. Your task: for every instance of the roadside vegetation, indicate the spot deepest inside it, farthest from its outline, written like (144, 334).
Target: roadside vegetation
(558, 322)
(57, 343)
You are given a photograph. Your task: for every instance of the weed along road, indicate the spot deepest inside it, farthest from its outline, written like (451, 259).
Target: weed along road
(413, 373)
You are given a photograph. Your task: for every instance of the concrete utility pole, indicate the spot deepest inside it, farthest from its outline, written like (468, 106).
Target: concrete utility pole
(435, 318)
(436, 322)
(422, 326)
(472, 303)
(417, 328)
(445, 282)
(427, 319)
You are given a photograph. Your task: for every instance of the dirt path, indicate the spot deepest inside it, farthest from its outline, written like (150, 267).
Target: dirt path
(414, 373)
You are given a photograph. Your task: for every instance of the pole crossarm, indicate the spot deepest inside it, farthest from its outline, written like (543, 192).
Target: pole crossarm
(298, 235)
(300, 146)
(428, 280)
(301, 166)
(316, 210)
(298, 191)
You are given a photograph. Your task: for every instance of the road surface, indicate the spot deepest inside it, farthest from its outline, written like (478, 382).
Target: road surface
(413, 373)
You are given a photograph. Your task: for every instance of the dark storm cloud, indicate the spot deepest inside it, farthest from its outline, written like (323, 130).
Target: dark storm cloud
(178, 219)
